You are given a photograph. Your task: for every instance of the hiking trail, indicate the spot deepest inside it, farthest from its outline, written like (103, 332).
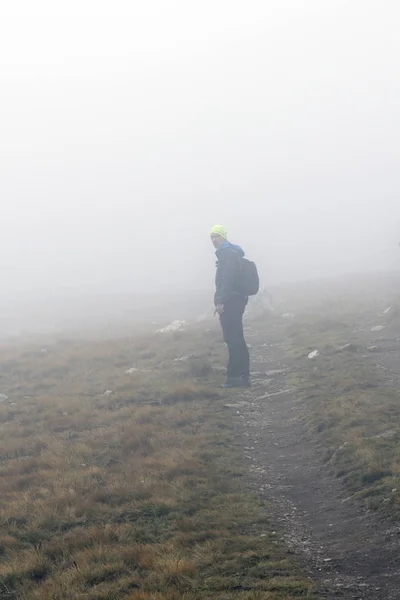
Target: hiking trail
(351, 553)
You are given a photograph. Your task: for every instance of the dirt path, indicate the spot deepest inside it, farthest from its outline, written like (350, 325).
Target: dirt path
(353, 555)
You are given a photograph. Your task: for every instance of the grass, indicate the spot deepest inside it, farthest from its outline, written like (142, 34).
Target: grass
(139, 493)
(349, 407)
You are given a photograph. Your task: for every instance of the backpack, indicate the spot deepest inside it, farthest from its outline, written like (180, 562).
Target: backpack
(248, 282)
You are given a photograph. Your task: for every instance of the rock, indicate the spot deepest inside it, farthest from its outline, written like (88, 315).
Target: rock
(390, 433)
(377, 327)
(107, 393)
(373, 348)
(131, 370)
(342, 447)
(350, 347)
(272, 394)
(174, 326)
(313, 354)
(3, 398)
(387, 310)
(273, 372)
(339, 450)
(259, 384)
(288, 315)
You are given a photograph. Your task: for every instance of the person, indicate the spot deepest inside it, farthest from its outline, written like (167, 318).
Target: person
(230, 305)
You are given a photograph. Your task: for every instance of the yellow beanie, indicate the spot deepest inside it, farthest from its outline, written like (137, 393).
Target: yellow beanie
(219, 230)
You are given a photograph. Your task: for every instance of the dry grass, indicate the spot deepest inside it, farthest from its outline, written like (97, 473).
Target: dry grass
(137, 494)
(349, 406)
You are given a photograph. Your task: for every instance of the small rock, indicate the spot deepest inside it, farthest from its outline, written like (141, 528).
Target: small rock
(65, 414)
(350, 347)
(313, 354)
(288, 315)
(373, 348)
(107, 393)
(131, 370)
(262, 382)
(377, 327)
(342, 447)
(387, 310)
(3, 398)
(174, 326)
(274, 394)
(386, 434)
(182, 358)
(275, 372)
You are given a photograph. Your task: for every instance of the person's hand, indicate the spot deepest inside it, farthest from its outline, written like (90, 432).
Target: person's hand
(219, 309)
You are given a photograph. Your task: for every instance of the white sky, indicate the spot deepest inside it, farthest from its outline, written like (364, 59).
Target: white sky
(129, 128)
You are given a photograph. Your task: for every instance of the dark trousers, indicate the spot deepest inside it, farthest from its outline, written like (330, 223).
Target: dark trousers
(232, 329)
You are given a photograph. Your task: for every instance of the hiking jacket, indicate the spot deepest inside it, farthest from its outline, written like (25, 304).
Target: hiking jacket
(228, 256)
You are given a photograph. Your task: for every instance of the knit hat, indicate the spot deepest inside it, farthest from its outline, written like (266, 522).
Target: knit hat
(219, 230)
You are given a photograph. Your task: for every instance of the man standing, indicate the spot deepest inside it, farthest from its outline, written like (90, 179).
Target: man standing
(230, 304)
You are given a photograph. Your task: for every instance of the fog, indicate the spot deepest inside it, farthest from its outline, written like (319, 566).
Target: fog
(128, 129)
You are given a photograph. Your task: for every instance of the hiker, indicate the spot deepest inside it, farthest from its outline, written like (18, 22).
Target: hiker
(235, 280)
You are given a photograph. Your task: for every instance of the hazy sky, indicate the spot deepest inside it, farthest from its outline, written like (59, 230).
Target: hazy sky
(129, 128)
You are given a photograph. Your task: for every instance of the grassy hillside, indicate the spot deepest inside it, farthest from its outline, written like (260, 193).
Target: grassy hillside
(121, 485)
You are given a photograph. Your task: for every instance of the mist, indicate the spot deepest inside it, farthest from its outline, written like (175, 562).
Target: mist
(127, 131)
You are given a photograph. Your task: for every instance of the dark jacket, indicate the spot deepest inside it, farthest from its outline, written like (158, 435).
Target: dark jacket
(228, 256)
